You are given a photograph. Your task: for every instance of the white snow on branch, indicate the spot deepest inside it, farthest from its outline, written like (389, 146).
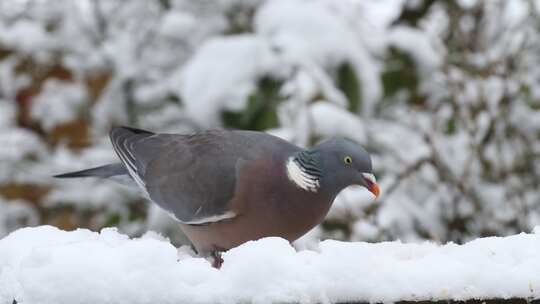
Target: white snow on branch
(324, 34)
(48, 265)
(417, 43)
(222, 74)
(59, 102)
(326, 114)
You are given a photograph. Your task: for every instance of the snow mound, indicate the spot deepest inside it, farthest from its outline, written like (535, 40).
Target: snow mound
(48, 265)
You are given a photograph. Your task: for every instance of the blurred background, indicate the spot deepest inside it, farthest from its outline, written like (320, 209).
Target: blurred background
(444, 94)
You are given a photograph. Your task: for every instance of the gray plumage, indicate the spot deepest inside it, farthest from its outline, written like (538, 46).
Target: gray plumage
(228, 187)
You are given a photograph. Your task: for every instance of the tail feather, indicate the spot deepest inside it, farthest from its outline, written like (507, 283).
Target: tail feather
(102, 171)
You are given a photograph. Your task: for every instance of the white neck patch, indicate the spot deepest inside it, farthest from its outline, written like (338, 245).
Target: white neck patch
(300, 177)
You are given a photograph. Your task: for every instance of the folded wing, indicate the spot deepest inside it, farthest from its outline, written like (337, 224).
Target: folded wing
(190, 176)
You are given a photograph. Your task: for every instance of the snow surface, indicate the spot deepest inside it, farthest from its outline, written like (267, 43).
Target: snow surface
(48, 265)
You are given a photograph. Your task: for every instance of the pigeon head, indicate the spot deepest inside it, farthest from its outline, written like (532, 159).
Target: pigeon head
(332, 166)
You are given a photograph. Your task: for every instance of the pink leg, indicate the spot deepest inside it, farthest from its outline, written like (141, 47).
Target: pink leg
(217, 261)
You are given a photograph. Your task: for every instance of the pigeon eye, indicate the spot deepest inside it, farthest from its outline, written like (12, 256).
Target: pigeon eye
(347, 160)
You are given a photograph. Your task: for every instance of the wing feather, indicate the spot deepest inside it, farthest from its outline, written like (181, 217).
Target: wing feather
(123, 141)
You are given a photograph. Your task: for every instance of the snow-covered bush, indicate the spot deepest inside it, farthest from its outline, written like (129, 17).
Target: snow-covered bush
(444, 94)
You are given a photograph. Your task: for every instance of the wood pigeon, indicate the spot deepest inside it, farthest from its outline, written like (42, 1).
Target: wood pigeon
(228, 187)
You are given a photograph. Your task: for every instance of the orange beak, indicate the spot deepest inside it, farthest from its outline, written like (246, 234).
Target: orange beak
(371, 184)
(374, 188)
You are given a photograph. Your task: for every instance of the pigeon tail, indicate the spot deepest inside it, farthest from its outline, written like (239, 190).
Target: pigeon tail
(102, 171)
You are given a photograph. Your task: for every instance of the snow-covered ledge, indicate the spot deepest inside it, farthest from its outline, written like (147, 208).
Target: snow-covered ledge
(48, 265)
